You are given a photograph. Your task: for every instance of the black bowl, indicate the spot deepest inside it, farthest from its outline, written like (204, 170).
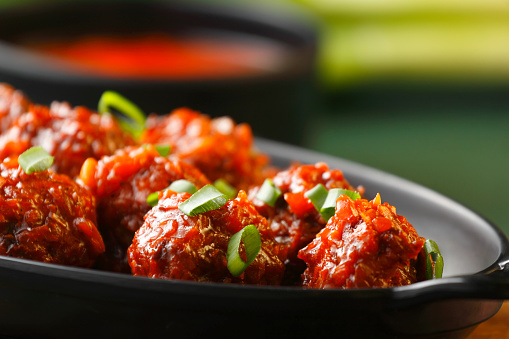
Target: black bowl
(267, 100)
(44, 300)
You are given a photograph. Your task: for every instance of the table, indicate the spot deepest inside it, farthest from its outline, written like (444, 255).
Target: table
(495, 328)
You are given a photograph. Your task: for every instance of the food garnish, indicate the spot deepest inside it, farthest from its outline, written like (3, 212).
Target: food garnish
(206, 199)
(128, 115)
(252, 243)
(35, 159)
(268, 193)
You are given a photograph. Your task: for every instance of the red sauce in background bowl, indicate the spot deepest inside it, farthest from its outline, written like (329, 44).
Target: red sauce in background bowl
(162, 56)
(239, 60)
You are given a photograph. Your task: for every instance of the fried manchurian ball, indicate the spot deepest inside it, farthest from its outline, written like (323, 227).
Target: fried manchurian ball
(70, 135)
(47, 217)
(218, 147)
(293, 218)
(13, 103)
(172, 245)
(121, 183)
(365, 244)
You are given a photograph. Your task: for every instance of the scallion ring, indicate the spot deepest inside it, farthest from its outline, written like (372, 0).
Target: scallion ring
(250, 236)
(129, 116)
(178, 186)
(35, 159)
(329, 206)
(183, 185)
(153, 199)
(268, 193)
(163, 149)
(224, 187)
(434, 260)
(317, 196)
(206, 199)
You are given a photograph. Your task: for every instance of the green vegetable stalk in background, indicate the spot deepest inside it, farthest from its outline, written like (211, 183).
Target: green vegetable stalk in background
(451, 41)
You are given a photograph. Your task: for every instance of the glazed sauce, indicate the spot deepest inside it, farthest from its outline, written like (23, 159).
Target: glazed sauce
(365, 244)
(161, 56)
(171, 245)
(47, 217)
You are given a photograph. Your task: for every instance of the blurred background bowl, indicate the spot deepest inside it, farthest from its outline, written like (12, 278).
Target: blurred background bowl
(275, 92)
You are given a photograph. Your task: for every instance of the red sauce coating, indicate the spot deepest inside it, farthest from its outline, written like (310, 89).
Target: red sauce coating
(47, 217)
(121, 183)
(69, 134)
(171, 245)
(218, 147)
(294, 219)
(13, 103)
(365, 244)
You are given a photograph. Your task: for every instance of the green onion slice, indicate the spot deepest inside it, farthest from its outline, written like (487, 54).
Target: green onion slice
(268, 193)
(206, 199)
(178, 186)
(434, 260)
(329, 206)
(224, 187)
(250, 236)
(163, 149)
(153, 199)
(317, 196)
(129, 116)
(183, 185)
(35, 159)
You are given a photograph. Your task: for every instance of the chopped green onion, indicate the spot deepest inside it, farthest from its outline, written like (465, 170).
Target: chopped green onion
(129, 116)
(183, 185)
(434, 260)
(178, 186)
(163, 149)
(268, 193)
(206, 199)
(35, 159)
(317, 195)
(329, 206)
(224, 187)
(250, 236)
(153, 199)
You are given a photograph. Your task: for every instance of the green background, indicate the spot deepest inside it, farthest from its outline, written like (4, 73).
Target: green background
(459, 151)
